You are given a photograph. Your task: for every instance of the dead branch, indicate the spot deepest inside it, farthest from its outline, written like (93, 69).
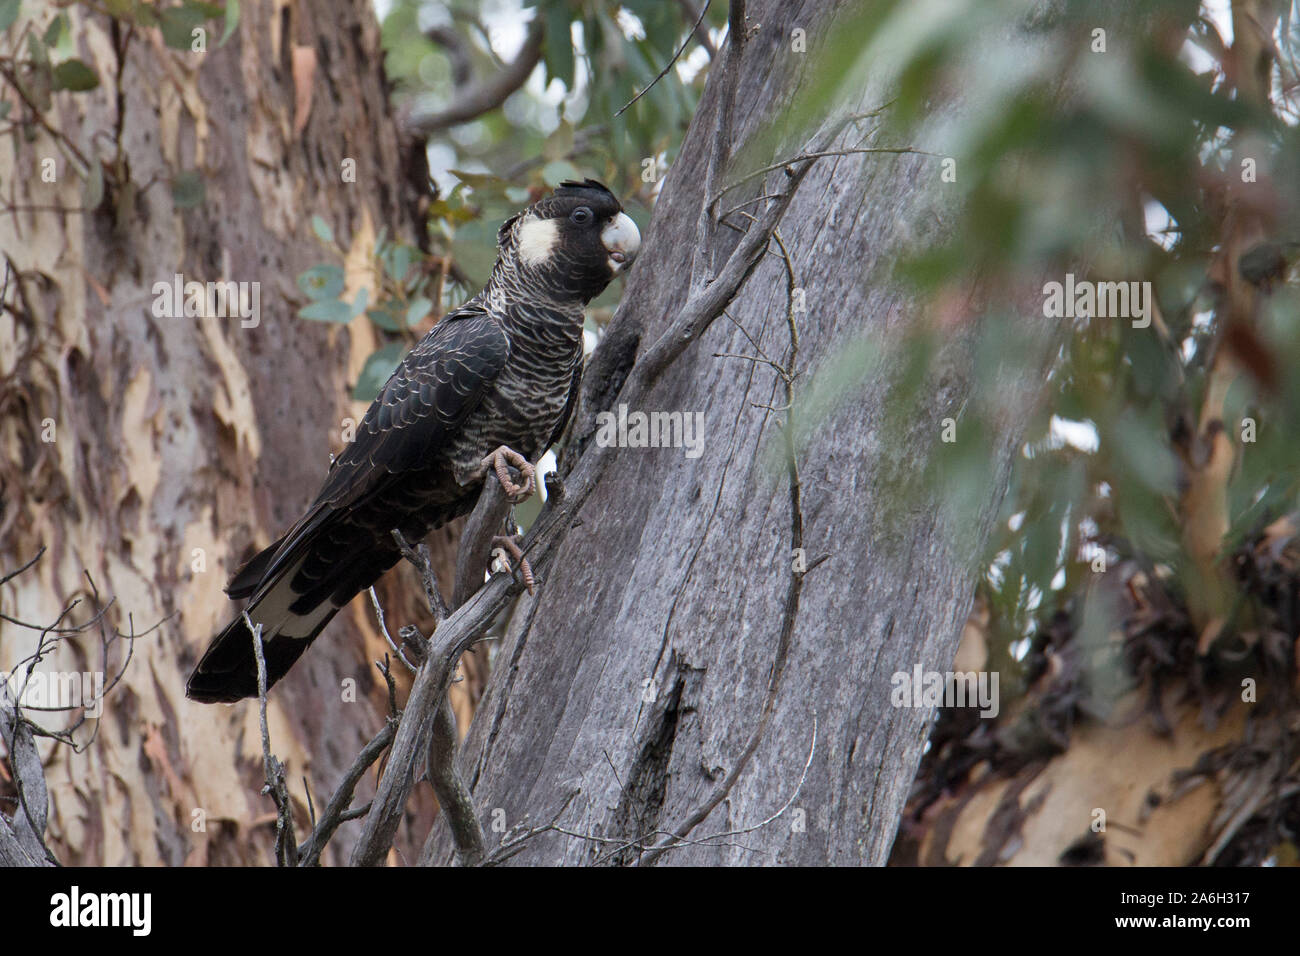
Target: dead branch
(453, 795)
(475, 552)
(473, 101)
(22, 840)
(338, 807)
(427, 711)
(286, 848)
(22, 843)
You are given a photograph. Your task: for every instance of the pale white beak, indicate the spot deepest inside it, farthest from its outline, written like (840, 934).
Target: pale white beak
(621, 240)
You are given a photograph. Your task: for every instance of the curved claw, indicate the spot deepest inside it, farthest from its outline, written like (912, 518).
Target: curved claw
(505, 544)
(498, 462)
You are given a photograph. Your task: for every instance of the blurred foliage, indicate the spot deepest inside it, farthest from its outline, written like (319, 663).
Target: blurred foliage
(596, 56)
(1114, 143)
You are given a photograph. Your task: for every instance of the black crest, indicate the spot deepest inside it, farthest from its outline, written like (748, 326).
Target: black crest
(573, 188)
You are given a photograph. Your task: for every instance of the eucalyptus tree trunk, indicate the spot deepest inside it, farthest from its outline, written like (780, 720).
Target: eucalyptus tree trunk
(630, 686)
(154, 452)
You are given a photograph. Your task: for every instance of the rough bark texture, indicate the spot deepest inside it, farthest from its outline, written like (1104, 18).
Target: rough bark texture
(178, 434)
(637, 673)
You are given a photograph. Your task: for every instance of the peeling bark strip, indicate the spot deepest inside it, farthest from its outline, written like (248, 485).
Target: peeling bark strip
(678, 567)
(174, 443)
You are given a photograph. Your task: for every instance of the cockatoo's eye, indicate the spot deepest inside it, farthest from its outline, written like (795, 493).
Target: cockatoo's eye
(582, 215)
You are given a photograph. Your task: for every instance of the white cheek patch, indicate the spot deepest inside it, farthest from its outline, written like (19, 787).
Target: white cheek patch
(537, 240)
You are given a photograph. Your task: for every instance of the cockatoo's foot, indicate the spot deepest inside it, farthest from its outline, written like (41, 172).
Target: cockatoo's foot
(498, 462)
(508, 544)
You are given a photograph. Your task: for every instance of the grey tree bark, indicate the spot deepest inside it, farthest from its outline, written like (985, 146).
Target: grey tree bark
(630, 685)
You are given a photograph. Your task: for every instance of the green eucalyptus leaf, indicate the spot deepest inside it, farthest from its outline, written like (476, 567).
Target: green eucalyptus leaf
(322, 282)
(399, 262)
(178, 25)
(377, 370)
(36, 48)
(327, 310)
(144, 15)
(9, 13)
(75, 75)
(559, 44)
(417, 310)
(231, 18)
(52, 32)
(359, 306)
(387, 316)
(322, 229)
(474, 250)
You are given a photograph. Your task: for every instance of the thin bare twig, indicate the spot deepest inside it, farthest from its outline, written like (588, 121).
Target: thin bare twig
(336, 811)
(890, 150)
(695, 31)
(22, 841)
(418, 557)
(513, 842)
(701, 31)
(286, 848)
(383, 629)
(719, 147)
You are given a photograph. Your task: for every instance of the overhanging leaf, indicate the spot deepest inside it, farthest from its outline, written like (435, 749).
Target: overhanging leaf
(178, 25)
(387, 316)
(232, 20)
(327, 310)
(8, 13)
(359, 306)
(75, 75)
(559, 44)
(419, 308)
(322, 229)
(322, 282)
(376, 371)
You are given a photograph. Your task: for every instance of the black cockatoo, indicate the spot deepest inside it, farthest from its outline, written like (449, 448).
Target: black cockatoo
(494, 382)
